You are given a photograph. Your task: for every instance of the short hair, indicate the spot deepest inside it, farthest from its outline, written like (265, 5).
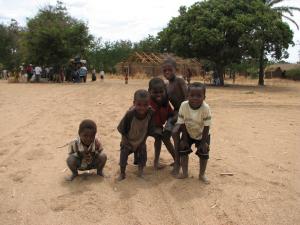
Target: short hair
(141, 94)
(156, 82)
(169, 61)
(197, 85)
(87, 124)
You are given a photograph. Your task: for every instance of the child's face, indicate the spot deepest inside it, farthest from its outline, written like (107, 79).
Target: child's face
(141, 106)
(169, 72)
(157, 94)
(87, 136)
(196, 97)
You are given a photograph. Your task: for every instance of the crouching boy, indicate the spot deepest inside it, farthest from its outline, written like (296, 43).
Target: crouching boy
(194, 119)
(134, 128)
(86, 151)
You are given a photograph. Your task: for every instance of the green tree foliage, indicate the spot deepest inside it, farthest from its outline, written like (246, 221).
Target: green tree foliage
(148, 44)
(10, 48)
(227, 31)
(53, 37)
(105, 55)
(282, 10)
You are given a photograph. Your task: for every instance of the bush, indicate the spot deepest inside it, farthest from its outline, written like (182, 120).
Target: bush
(293, 74)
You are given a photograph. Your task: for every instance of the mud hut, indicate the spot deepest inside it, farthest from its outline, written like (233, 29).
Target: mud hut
(279, 70)
(150, 64)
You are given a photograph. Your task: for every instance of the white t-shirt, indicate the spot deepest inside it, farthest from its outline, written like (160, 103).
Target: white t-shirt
(38, 70)
(194, 120)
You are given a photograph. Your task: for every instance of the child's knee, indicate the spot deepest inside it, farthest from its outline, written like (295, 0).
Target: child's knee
(102, 158)
(72, 161)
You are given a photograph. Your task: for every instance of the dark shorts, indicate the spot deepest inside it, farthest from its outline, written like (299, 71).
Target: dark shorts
(199, 151)
(140, 155)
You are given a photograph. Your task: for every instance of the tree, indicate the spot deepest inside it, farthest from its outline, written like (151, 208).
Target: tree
(269, 35)
(10, 39)
(105, 55)
(148, 44)
(53, 37)
(282, 10)
(211, 29)
(226, 32)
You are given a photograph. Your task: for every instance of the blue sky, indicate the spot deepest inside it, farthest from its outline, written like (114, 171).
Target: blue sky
(118, 19)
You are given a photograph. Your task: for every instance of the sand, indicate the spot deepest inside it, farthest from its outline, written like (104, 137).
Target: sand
(255, 136)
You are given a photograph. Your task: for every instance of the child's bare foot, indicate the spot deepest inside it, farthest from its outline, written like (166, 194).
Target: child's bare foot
(71, 177)
(158, 166)
(204, 179)
(182, 176)
(121, 177)
(140, 173)
(101, 174)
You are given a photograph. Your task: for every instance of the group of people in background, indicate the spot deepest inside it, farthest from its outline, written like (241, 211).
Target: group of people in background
(35, 73)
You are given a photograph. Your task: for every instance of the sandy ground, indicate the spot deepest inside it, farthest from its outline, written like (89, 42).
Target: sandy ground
(255, 135)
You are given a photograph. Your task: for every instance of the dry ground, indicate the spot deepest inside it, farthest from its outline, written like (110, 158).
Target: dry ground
(255, 135)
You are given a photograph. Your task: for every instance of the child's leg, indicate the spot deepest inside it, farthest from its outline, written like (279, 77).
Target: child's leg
(73, 164)
(100, 162)
(157, 149)
(123, 162)
(142, 155)
(169, 146)
(202, 176)
(176, 139)
(184, 162)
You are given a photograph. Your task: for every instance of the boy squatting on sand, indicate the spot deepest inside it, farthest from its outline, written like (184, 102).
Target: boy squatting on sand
(194, 120)
(162, 112)
(134, 127)
(177, 93)
(86, 152)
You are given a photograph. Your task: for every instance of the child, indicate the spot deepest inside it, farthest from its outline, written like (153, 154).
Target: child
(85, 152)
(134, 128)
(194, 118)
(177, 92)
(162, 112)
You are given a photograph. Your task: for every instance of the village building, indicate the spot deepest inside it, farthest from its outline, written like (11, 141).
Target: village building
(150, 64)
(279, 70)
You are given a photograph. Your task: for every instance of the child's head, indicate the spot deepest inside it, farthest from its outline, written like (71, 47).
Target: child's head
(157, 90)
(169, 68)
(196, 94)
(141, 102)
(87, 131)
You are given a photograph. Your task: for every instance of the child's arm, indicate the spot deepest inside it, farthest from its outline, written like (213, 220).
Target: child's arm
(204, 140)
(183, 87)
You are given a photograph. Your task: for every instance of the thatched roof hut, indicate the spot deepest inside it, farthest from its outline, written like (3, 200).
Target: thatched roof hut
(150, 64)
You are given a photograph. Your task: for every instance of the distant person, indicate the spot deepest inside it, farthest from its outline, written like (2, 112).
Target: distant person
(29, 71)
(38, 73)
(86, 152)
(83, 73)
(102, 75)
(194, 119)
(163, 112)
(134, 127)
(177, 93)
(94, 78)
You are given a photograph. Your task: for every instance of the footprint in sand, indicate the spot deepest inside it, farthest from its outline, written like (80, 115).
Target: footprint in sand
(19, 176)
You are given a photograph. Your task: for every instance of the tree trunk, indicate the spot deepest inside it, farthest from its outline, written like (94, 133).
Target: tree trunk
(261, 68)
(220, 70)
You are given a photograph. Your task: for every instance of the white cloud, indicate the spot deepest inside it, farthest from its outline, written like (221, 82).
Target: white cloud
(117, 19)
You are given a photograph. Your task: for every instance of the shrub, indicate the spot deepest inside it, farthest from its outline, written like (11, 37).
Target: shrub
(293, 74)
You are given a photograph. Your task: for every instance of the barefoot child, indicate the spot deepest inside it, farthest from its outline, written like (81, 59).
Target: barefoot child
(162, 112)
(195, 120)
(134, 128)
(177, 93)
(85, 152)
